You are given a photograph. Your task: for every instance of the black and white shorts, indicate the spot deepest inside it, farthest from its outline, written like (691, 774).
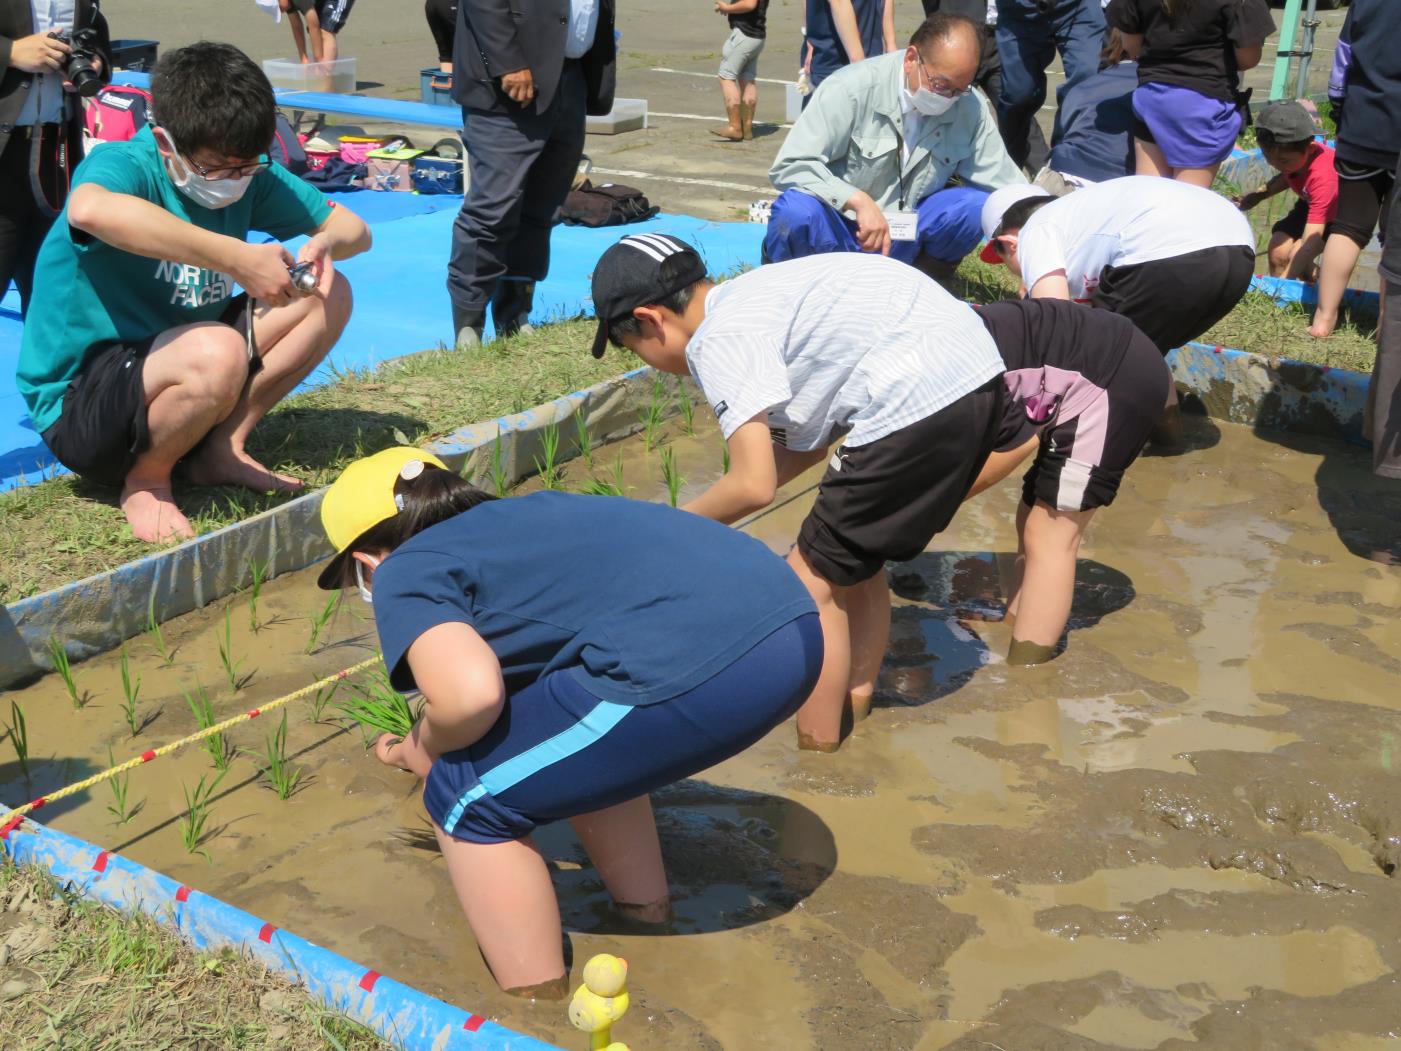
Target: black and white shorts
(885, 500)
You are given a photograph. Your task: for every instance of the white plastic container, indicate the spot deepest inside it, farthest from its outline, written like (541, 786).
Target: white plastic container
(289, 74)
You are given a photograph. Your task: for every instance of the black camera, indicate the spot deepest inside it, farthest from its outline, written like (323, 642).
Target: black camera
(80, 71)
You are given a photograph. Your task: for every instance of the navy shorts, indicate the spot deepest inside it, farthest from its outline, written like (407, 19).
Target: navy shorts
(558, 751)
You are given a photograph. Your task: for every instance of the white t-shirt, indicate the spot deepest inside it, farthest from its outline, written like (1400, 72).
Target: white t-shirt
(836, 344)
(1120, 222)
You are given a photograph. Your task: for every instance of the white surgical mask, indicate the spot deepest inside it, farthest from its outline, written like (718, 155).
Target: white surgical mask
(211, 193)
(366, 595)
(930, 103)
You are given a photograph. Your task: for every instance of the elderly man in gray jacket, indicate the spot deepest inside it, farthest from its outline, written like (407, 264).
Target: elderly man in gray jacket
(880, 142)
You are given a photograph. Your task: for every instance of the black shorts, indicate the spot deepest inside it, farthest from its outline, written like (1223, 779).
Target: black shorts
(102, 430)
(1364, 196)
(885, 500)
(1175, 300)
(442, 23)
(1292, 225)
(333, 14)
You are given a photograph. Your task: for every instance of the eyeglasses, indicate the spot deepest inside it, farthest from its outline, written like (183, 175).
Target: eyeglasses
(940, 86)
(238, 171)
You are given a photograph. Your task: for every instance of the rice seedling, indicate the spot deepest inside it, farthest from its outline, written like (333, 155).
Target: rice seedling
(724, 457)
(319, 622)
(616, 472)
(226, 657)
(120, 808)
(687, 408)
(500, 480)
(377, 706)
(654, 416)
(19, 737)
(546, 465)
(581, 428)
(598, 487)
(321, 699)
(281, 778)
(671, 474)
(259, 571)
(58, 657)
(130, 690)
(153, 631)
(217, 746)
(194, 826)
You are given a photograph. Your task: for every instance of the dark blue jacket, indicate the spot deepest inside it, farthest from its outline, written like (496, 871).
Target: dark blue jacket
(828, 55)
(1093, 136)
(1369, 132)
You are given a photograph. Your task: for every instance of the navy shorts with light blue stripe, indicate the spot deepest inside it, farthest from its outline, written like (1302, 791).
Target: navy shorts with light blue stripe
(558, 751)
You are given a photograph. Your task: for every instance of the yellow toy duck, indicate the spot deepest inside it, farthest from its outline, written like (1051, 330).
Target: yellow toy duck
(601, 1001)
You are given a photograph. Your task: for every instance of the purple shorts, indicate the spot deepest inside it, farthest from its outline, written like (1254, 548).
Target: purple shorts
(1193, 130)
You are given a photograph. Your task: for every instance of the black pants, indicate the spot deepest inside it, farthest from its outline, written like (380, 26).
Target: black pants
(22, 223)
(522, 164)
(1175, 300)
(442, 23)
(1363, 197)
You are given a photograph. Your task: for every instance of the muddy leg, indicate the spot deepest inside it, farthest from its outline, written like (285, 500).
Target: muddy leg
(868, 612)
(506, 892)
(1012, 582)
(622, 843)
(820, 717)
(1051, 540)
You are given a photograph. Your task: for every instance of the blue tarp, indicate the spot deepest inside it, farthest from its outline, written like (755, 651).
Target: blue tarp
(401, 301)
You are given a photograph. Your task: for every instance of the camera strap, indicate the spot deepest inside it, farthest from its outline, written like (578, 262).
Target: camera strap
(49, 173)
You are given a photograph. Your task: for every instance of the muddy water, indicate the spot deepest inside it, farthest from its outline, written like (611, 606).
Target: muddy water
(1182, 832)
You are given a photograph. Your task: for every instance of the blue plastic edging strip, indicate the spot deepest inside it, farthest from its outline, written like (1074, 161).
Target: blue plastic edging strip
(1285, 290)
(399, 1013)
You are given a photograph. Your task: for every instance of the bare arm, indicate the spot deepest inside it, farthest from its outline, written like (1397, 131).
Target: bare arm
(1000, 464)
(345, 233)
(1051, 286)
(739, 7)
(1306, 252)
(888, 26)
(752, 480)
(844, 19)
(1249, 57)
(461, 682)
(1274, 186)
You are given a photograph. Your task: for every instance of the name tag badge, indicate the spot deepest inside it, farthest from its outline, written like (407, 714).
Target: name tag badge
(904, 226)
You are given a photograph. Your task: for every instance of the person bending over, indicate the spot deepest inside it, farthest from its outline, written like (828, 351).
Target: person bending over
(1085, 390)
(1305, 166)
(881, 141)
(137, 354)
(791, 357)
(574, 654)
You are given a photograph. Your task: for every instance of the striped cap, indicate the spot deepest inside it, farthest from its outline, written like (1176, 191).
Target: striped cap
(640, 269)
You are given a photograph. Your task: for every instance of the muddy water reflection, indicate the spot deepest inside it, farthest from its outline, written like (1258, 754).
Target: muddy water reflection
(1182, 832)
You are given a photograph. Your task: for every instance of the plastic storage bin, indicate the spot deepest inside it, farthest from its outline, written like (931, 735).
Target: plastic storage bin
(136, 55)
(288, 74)
(435, 87)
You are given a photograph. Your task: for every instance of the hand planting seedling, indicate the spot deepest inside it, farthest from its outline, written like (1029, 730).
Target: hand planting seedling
(226, 657)
(19, 737)
(216, 745)
(322, 698)
(153, 630)
(377, 706)
(259, 571)
(654, 418)
(119, 785)
(671, 475)
(194, 826)
(319, 622)
(130, 690)
(687, 407)
(581, 426)
(58, 657)
(546, 465)
(281, 778)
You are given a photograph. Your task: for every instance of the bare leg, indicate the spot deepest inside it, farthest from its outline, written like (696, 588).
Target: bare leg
(1202, 177)
(192, 377)
(510, 903)
(734, 129)
(294, 20)
(749, 95)
(868, 614)
(1051, 540)
(820, 717)
(330, 46)
(1013, 585)
(293, 340)
(1281, 250)
(314, 34)
(622, 843)
(1340, 254)
(1149, 160)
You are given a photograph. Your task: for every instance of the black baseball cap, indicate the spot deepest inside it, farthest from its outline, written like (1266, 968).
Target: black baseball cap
(640, 269)
(1286, 120)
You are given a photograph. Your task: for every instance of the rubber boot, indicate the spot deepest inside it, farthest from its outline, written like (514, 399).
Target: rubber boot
(746, 120)
(734, 131)
(510, 307)
(467, 328)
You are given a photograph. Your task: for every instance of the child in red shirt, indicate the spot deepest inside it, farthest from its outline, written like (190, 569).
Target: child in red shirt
(1305, 166)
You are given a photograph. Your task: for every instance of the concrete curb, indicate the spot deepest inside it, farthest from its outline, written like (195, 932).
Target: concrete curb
(399, 1013)
(96, 614)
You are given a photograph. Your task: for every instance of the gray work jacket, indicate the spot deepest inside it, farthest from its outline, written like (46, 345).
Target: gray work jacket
(848, 139)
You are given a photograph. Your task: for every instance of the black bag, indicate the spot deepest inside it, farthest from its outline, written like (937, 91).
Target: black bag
(611, 204)
(286, 149)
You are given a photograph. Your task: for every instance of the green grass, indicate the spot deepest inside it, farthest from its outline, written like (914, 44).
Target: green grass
(65, 529)
(106, 979)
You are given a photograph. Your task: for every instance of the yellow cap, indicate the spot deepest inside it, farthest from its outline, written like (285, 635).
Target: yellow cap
(363, 496)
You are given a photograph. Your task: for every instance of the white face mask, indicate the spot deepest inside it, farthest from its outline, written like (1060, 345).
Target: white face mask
(366, 595)
(210, 193)
(926, 102)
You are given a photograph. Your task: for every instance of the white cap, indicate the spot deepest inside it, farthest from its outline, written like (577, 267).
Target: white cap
(997, 203)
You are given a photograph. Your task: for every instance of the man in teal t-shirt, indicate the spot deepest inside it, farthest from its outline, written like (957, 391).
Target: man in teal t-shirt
(137, 352)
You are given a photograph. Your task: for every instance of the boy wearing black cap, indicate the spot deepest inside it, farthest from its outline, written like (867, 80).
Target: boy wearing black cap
(791, 357)
(1286, 131)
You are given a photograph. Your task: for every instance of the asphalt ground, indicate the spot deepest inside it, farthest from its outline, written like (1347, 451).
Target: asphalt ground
(669, 52)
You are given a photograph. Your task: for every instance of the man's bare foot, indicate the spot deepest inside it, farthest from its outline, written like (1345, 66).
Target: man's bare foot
(153, 516)
(229, 467)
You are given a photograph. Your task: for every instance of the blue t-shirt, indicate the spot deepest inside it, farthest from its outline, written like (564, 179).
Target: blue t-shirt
(1093, 135)
(638, 602)
(87, 292)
